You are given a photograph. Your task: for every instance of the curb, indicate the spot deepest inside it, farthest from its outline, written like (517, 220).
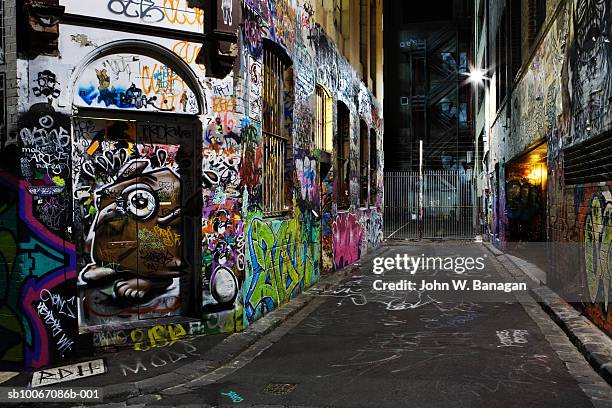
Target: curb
(232, 346)
(594, 345)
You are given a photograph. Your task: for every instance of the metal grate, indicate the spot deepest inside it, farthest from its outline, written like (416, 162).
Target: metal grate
(589, 161)
(280, 388)
(275, 138)
(445, 210)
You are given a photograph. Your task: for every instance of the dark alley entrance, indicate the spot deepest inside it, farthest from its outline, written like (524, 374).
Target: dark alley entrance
(526, 179)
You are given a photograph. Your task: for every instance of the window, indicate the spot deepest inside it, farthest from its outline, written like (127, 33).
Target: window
(2, 45)
(342, 157)
(276, 133)
(323, 120)
(363, 38)
(364, 167)
(342, 16)
(515, 37)
(501, 61)
(537, 16)
(373, 167)
(373, 45)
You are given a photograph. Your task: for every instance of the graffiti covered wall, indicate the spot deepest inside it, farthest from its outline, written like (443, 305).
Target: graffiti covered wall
(283, 256)
(138, 192)
(563, 99)
(581, 211)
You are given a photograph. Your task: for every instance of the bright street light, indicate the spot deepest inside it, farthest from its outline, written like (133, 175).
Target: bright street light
(476, 76)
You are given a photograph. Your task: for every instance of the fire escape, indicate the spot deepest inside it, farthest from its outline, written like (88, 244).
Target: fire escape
(439, 115)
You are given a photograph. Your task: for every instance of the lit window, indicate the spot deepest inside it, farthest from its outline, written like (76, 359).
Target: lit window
(323, 121)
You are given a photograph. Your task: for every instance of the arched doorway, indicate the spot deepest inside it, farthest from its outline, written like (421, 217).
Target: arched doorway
(136, 170)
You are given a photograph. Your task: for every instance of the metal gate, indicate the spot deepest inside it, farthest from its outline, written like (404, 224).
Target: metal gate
(437, 204)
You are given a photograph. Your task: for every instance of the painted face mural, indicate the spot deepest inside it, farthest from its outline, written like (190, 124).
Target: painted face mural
(135, 237)
(130, 200)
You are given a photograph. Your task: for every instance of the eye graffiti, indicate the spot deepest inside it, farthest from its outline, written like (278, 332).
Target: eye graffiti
(135, 237)
(139, 201)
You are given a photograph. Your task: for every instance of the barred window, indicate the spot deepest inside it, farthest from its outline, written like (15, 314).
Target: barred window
(343, 157)
(323, 120)
(276, 135)
(373, 167)
(364, 169)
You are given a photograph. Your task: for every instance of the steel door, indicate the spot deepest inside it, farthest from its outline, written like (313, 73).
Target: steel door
(131, 200)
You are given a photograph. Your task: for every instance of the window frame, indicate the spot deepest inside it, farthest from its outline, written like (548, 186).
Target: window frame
(373, 150)
(364, 165)
(276, 133)
(323, 120)
(343, 148)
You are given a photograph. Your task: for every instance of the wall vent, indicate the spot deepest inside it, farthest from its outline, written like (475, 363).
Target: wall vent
(589, 161)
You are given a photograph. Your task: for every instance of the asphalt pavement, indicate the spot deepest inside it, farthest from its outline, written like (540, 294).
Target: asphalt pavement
(358, 347)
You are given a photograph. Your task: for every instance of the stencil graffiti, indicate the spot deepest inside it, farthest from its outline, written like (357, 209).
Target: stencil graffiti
(254, 89)
(46, 85)
(226, 7)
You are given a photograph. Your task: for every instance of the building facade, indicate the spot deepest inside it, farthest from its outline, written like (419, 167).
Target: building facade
(545, 117)
(428, 49)
(178, 167)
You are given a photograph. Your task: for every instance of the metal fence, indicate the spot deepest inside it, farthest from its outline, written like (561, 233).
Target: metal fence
(438, 204)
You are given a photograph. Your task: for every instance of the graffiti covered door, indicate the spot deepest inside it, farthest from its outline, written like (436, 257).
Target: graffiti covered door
(133, 182)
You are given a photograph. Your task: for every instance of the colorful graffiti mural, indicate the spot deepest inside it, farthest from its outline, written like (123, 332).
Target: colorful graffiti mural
(149, 186)
(129, 197)
(562, 98)
(37, 305)
(137, 82)
(283, 259)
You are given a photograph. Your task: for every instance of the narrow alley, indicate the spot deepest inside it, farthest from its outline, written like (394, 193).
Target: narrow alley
(354, 346)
